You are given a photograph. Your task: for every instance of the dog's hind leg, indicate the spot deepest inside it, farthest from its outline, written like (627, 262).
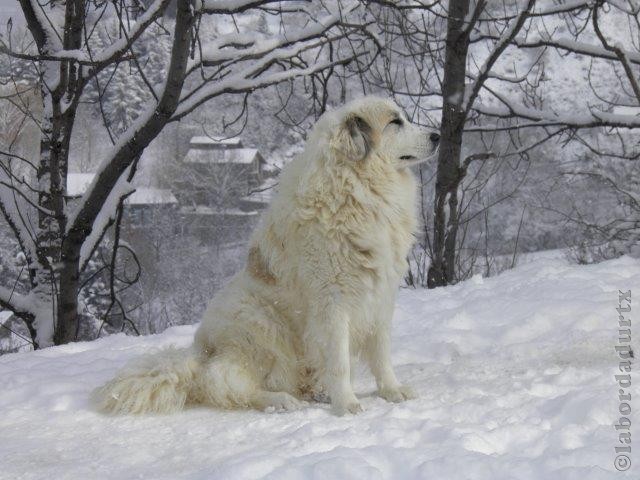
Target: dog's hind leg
(225, 381)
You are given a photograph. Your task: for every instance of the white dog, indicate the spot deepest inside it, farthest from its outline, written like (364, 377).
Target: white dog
(319, 284)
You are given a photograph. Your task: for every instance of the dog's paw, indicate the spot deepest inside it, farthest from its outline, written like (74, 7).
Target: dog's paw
(342, 408)
(280, 402)
(400, 394)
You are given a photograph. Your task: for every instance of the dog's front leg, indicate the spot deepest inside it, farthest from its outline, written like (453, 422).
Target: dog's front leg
(327, 339)
(379, 358)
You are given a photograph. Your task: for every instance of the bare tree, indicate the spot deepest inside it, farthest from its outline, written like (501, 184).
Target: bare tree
(458, 59)
(58, 238)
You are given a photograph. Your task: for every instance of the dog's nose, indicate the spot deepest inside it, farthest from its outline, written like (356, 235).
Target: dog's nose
(434, 137)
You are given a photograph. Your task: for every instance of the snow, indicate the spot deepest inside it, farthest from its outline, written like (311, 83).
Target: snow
(11, 341)
(515, 375)
(47, 20)
(261, 52)
(106, 215)
(118, 47)
(255, 45)
(77, 183)
(13, 205)
(209, 142)
(22, 303)
(206, 210)
(245, 156)
(225, 4)
(151, 196)
(501, 44)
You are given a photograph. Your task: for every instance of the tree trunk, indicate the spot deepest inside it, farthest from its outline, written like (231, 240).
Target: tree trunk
(48, 235)
(59, 236)
(56, 280)
(442, 271)
(67, 311)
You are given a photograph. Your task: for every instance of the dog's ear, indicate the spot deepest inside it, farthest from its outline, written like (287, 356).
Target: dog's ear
(353, 138)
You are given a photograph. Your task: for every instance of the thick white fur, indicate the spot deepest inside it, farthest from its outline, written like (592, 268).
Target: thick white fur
(319, 285)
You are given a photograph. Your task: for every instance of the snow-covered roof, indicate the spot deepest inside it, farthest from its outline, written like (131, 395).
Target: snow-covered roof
(5, 315)
(232, 155)
(77, 184)
(212, 142)
(149, 196)
(206, 210)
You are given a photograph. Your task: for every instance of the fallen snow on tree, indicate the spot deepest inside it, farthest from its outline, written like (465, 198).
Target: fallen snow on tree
(515, 375)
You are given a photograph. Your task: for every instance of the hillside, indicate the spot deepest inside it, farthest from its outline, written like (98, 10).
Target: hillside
(515, 376)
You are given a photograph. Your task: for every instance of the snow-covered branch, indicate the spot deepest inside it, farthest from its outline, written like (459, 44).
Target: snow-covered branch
(116, 50)
(548, 9)
(128, 149)
(552, 7)
(243, 59)
(245, 46)
(620, 54)
(252, 77)
(568, 45)
(19, 304)
(229, 7)
(106, 217)
(42, 28)
(96, 61)
(511, 31)
(546, 118)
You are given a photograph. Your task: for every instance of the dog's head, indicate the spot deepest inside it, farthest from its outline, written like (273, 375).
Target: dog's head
(373, 127)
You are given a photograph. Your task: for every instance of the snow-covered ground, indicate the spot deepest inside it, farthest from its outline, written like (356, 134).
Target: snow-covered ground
(515, 375)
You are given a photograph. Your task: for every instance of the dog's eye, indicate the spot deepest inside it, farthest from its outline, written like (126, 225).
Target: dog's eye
(396, 121)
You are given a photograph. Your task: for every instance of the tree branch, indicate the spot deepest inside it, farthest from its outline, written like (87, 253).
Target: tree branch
(129, 148)
(19, 304)
(619, 53)
(500, 47)
(229, 7)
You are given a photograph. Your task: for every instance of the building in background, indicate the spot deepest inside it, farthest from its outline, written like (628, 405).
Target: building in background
(222, 186)
(215, 193)
(140, 208)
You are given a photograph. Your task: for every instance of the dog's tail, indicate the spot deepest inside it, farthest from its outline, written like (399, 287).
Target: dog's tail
(155, 383)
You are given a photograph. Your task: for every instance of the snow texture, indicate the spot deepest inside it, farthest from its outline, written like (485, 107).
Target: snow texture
(212, 142)
(515, 375)
(77, 183)
(151, 196)
(244, 156)
(106, 215)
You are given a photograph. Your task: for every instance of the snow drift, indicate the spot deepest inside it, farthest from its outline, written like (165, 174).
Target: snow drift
(515, 375)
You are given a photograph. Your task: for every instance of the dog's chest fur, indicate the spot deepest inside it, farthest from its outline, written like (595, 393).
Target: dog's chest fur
(356, 232)
(383, 226)
(368, 228)
(344, 237)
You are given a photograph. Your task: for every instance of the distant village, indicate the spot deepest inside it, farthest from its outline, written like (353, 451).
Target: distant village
(216, 195)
